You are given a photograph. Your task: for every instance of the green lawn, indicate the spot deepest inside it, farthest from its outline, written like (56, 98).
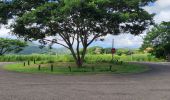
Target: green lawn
(62, 68)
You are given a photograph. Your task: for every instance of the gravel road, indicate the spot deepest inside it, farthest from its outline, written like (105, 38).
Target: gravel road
(152, 85)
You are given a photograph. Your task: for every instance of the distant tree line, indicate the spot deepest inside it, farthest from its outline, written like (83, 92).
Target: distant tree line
(101, 50)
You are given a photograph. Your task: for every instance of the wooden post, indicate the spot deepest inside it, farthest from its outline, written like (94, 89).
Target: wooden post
(39, 67)
(110, 67)
(24, 63)
(121, 62)
(34, 61)
(93, 69)
(28, 62)
(69, 68)
(52, 68)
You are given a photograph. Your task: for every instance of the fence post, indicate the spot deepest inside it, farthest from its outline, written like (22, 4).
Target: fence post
(28, 62)
(121, 62)
(24, 63)
(39, 67)
(34, 61)
(52, 68)
(93, 69)
(110, 68)
(69, 68)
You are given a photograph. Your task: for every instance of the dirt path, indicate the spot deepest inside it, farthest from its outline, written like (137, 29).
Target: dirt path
(152, 85)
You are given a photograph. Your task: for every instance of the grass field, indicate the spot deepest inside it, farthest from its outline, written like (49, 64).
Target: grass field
(62, 68)
(93, 63)
(88, 58)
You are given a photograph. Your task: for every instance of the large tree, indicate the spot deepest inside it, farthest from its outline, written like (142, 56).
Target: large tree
(76, 23)
(159, 39)
(11, 45)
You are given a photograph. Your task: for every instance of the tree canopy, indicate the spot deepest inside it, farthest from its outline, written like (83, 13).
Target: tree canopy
(75, 22)
(10, 45)
(159, 39)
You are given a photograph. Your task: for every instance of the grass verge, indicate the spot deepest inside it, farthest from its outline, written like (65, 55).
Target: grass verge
(62, 68)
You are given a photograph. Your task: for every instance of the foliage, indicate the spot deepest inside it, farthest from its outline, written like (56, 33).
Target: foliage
(158, 39)
(95, 50)
(10, 45)
(125, 52)
(107, 50)
(88, 59)
(78, 22)
(101, 50)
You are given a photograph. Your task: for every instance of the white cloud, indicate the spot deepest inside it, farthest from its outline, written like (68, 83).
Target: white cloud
(163, 3)
(121, 41)
(4, 32)
(162, 10)
(162, 16)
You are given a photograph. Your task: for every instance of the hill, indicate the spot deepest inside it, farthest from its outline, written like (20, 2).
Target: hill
(35, 49)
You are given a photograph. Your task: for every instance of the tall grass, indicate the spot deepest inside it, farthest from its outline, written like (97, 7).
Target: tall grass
(69, 58)
(134, 57)
(37, 57)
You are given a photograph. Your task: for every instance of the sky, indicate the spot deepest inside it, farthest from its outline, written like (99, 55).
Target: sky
(162, 10)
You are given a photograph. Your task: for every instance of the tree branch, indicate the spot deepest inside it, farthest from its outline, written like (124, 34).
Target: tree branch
(56, 43)
(95, 37)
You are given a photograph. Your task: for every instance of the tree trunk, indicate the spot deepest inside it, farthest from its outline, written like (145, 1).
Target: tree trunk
(79, 63)
(78, 60)
(79, 57)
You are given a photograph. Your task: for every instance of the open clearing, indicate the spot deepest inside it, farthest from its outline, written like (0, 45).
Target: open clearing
(152, 85)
